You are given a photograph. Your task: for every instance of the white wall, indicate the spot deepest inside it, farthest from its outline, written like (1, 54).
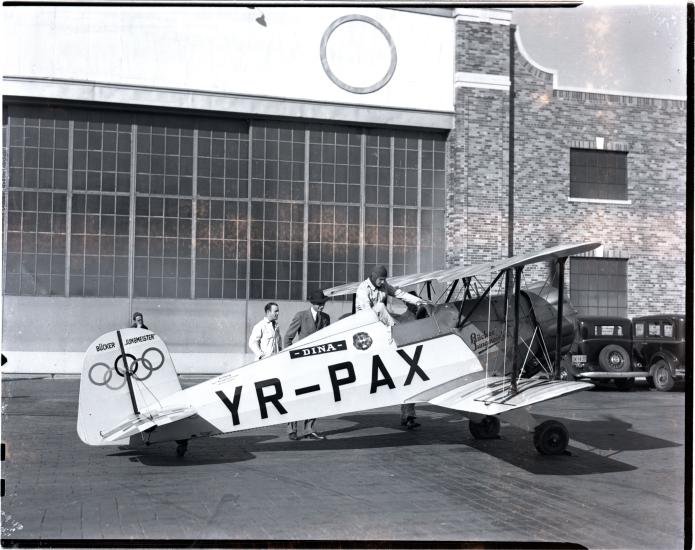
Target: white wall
(225, 50)
(50, 334)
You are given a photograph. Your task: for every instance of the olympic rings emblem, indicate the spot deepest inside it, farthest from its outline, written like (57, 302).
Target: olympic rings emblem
(106, 372)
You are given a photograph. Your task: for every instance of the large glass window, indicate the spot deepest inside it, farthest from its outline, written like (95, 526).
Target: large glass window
(212, 208)
(36, 202)
(100, 204)
(277, 223)
(163, 208)
(598, 174)
(598, 286)
(432, 239)
(222, 210)
(335, 159)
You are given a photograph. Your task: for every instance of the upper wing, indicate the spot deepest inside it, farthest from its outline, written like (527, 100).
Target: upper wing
(554, 252)
(400, 281)
(492, 395)
(460, 272)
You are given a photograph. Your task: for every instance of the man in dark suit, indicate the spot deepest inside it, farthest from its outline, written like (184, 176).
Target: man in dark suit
(303, 324)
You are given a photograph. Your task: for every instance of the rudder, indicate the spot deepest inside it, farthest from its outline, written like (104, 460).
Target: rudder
(106, 398)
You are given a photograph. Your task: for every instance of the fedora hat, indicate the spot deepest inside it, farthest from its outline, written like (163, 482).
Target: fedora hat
(317, 297)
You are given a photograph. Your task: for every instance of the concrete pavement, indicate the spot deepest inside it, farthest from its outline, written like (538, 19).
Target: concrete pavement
(622, 486)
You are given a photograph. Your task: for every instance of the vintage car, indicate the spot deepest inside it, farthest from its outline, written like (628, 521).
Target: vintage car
(658, 344)
(602, 351)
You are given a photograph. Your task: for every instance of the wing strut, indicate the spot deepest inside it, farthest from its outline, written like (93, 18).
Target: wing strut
(429, 290)
(461, 320)
(451, 292)
(560, 303)
(515, 358)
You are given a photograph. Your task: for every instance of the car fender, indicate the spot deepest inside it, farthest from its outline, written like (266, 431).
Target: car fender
(671, 360)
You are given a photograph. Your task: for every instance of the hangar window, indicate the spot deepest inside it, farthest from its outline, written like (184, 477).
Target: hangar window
(598, 175)
(100, 205)
(135, 203)
(220, 208)
(163, 208)
(598, 286)
(36, 158)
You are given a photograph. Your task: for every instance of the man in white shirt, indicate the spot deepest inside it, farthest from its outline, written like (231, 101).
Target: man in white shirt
(372, 293)
(265, 339)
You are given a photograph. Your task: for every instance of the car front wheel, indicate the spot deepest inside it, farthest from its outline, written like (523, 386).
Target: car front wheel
(663, 379)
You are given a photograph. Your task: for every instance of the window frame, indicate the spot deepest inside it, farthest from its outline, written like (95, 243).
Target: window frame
(590, 188)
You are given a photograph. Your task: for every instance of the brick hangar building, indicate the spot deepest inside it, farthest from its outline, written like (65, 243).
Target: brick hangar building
(195, 163)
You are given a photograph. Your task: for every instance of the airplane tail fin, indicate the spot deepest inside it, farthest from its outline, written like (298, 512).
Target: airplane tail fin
(116, 390)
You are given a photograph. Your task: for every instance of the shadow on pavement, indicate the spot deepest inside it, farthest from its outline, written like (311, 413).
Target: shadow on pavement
(611, 434)
(515, 446)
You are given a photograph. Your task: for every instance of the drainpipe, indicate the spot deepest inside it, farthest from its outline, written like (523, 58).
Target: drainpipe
(510, 223)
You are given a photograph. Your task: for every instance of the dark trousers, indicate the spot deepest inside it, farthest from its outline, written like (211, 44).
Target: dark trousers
(308, 426)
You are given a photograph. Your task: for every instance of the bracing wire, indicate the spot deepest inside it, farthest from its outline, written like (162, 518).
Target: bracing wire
(140, 385)
(528, 350)
(543, 344)
(534, 355)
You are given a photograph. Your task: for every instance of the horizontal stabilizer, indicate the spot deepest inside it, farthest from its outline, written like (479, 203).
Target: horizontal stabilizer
(493, 395)
(144, 421)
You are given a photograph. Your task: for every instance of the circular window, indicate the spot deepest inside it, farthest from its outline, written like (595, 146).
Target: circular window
(356, 43)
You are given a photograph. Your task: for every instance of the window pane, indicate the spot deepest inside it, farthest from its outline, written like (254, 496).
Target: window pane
(598, 174)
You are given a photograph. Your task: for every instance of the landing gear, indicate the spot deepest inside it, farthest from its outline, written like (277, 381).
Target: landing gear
(182, 447)
(551, 438)
(487, 428)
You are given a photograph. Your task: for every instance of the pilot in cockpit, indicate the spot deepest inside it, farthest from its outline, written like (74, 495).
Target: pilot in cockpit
(372, 293)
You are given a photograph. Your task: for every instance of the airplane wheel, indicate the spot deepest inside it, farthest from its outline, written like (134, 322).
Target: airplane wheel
(551, 438)
(181, 448)
(487, 428)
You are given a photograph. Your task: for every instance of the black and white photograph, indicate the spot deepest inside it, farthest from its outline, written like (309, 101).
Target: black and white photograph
(305, 274)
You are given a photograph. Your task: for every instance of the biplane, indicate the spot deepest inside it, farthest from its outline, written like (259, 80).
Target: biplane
(481, 345)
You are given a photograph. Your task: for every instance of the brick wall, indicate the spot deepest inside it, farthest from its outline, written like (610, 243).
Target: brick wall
(479, 152)
(482, 48)
(649, 231)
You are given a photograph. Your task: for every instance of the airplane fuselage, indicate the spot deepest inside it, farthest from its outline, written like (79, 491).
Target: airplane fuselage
(334, 372)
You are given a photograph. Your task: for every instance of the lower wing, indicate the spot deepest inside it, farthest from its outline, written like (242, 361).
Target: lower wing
(493, 395)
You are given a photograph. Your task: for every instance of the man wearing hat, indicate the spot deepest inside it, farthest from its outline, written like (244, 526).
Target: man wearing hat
(372, 293)
(303, 324)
